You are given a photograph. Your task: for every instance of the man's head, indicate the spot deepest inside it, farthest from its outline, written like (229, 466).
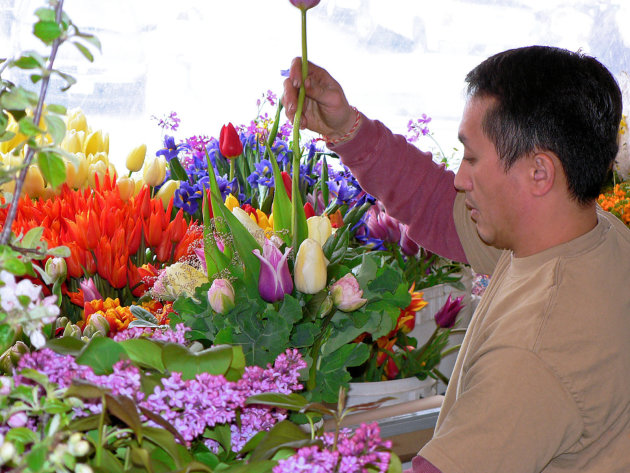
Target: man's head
(553, 100)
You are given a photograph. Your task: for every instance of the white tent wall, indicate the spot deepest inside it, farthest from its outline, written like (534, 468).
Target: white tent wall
(210, 61)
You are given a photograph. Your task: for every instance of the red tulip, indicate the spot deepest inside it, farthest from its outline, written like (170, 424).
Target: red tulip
(288, 183)
(309, 211)
(229, 142)
(304, 4)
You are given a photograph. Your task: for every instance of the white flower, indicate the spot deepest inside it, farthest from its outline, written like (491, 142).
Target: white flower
(37, 339)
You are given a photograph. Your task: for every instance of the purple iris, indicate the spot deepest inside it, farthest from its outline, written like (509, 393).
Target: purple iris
(274, 280)
(171, 150)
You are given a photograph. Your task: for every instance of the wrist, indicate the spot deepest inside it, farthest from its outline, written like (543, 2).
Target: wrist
(335, 139)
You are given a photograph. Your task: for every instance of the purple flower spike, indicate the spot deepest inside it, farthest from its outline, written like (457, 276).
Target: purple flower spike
(446, 316)
(275, 279)
(304, 4)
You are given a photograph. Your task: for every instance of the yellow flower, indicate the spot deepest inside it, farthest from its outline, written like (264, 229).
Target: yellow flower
(72, 142)
(76, 177)
(310, 272)
(135, 158)
(126, 187)
(231, 202)
(76, 121)
(167, 191)
(97, 169)
(96, 143)
(319, 228)
(154, 171)
(34, 182)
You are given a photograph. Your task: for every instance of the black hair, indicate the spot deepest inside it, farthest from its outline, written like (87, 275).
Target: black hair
(552, 99)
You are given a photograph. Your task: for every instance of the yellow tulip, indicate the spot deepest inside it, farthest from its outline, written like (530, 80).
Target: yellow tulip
(72, 142)
(310, 271)
(76, 176)
(135, 158)
(34, 182)
(231, 202)
(154, 171)
(99, 169)
(106, 143)
(76, 121)
(126, 187)
(13, 127)
(251, 226)
(167, 191)
(94, 143)
(98, 157)
(138, 186)
(319, 228)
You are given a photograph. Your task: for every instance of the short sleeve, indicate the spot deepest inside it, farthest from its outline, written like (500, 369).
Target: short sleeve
(512, 415)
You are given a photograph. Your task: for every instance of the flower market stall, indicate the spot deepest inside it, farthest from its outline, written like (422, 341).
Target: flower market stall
(225, 304)
(215, 307)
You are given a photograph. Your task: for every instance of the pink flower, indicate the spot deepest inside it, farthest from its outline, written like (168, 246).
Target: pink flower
(90, 292)
(304, 4)
(346, 293)
(221, 296)
(445, 317)
(274, 280)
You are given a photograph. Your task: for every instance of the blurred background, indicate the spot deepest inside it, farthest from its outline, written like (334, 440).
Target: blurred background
(211, 61)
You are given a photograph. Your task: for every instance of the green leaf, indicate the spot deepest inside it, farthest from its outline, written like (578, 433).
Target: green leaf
(47, 31)
(55, 406)
(39, 378)
(89, 38)
(55, 108)
(56, 127)
(144, 352)
(53, 168)
(125, 409)
(143, 314)
(281, 203)
(36, 457)
(293, 401)
(85, 51)
(45, 14)
(336, 247)
(33, 238)
(18, 99)
(70, 81)
(395, 465)
(323, 182)
(21, 435)
(101, 354)
(177, 170)
(85, 390)
(283, 434)
(28, 128)
(30, 61)
(215, 360)
(59, 251)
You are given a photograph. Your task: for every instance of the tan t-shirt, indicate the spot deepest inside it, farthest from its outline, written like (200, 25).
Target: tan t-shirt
(542, 382)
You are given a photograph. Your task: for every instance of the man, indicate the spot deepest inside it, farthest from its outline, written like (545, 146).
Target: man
(542, 382)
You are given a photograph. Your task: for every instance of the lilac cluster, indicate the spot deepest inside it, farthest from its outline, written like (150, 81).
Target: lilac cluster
(191, 406)
(168, 122)
(361, 452)
(163, 333)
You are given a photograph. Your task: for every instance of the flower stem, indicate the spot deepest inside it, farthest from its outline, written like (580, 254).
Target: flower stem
(19, 184)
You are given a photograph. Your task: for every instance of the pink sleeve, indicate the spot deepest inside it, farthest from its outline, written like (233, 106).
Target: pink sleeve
(414, 189)
(422, 465)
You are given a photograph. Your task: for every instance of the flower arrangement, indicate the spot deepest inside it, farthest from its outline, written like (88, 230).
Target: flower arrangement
(617, 201)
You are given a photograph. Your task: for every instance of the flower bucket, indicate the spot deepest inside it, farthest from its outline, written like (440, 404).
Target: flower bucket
(402, 390)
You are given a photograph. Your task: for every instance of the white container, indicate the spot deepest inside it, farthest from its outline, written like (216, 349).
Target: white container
(402, 390)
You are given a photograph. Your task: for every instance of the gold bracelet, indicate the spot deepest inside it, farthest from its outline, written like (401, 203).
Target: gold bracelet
(347, 135)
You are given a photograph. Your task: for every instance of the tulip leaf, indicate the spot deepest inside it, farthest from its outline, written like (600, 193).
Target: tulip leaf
(323, 183)
(299, 228)
(177, 170)
(281, 203)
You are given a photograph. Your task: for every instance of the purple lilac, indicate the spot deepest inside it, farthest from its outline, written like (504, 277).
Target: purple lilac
(418, 127)
(163, 333)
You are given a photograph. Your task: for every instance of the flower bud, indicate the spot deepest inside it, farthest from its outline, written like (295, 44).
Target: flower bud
(135, 158)
(76, 176)
(319, 229)
(72, 142)
(167, 191)
(221, 296)
(96, 170)
(94, 143)
(34, 182)
(346, 293)
(56, 269)
(304, 4)
(76, 120)
(310, 270)
(77, 446)
(154, 171)
(96, 324)
(18, 419)
(229, 142)
(445, 317)
(7, 452)
(5, 385)
(274, 280)
(9, 359)
(126, 188)
(72, 330)
(90, 291)
(83, 468)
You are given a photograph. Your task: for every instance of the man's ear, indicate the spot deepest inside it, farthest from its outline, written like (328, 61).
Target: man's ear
(543, 173)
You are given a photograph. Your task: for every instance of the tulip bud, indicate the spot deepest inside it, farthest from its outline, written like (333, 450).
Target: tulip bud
(56, 269)
(319, 229)
(96, 324)
(445, 317)
(231, 202)
(90, 291)
(229, 142)
(60, 323)
(167, 191)
(346, 293)
(12, 355)
(77, 446)
(96, 170)
(135, 158)
(76, 176)
(34, 182)
(310, 270)
(304, 4)
(221, 296)
(94, 143)
(72, 142)
(274, 280)
(154, 171)
(76, 120)
(72, 330)
(126, 188)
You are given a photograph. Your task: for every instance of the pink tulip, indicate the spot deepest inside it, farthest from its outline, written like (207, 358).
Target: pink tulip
(445, 317)
(346, 293)
(304, 4)
(274, 280)
(221, 296)
(90, 292)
